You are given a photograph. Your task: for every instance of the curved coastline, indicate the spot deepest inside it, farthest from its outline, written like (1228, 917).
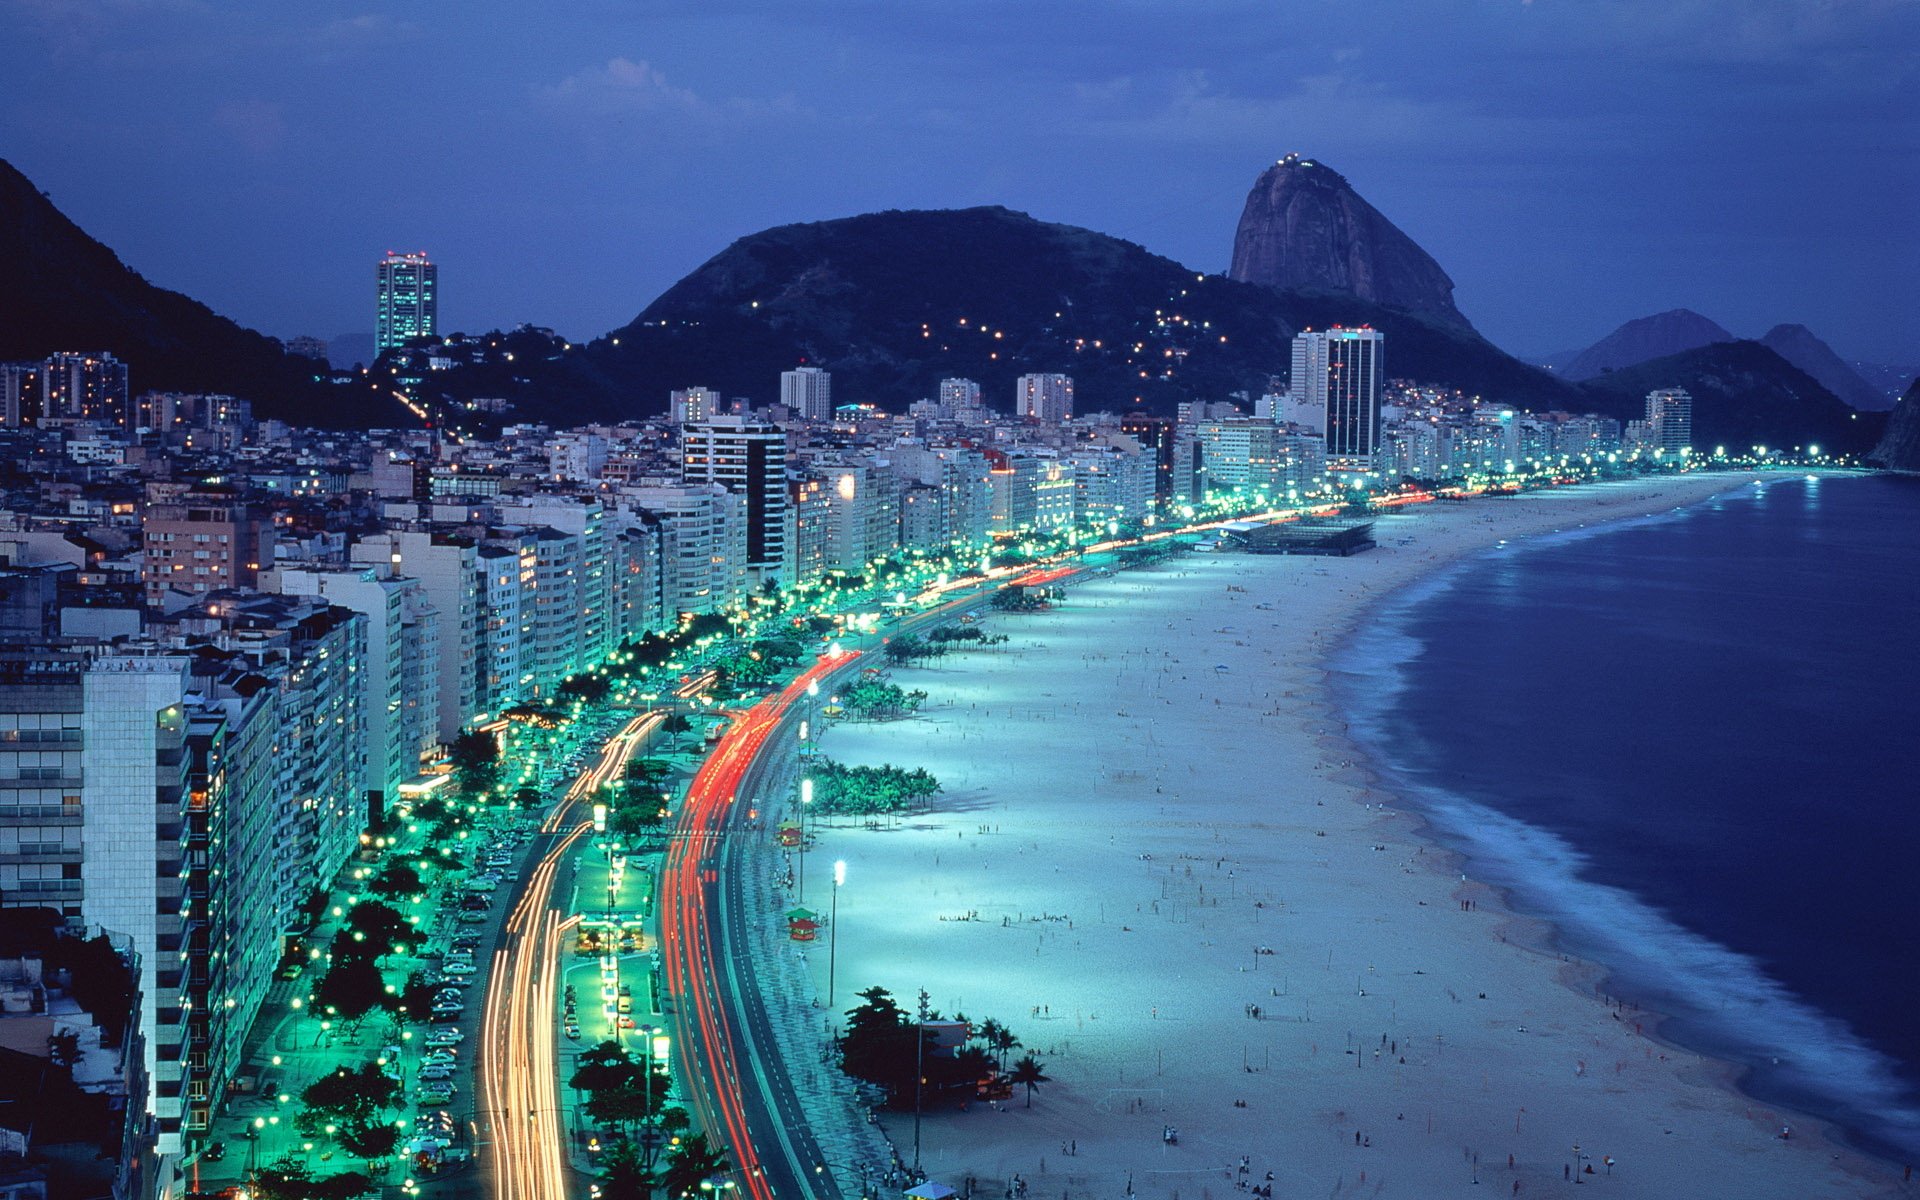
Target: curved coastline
(1359, 686)
(1078, 922)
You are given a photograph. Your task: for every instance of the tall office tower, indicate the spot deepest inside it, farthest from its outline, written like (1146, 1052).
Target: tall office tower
(749, 459)
(1338, 372)
(808, 391)
(408, 307)
(1670, 419)
(957, 396)
(697, 404)
(1047, 398)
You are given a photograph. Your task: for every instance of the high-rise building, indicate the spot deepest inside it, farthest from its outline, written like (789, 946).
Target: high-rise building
(958, 396)
(408, 304)
(808, 391)
(1156, 437)
(1670, 420)
(749, 459)
(699, 403)
(1338, 372)
(1046, 398)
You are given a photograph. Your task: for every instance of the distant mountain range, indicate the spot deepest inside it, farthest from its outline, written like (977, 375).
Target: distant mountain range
(893, 302)
(1647, 338)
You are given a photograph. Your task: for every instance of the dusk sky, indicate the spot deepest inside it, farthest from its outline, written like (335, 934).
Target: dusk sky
(1571, 165)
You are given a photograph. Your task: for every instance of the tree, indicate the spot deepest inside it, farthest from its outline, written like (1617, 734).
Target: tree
(675, 725)
(381, 927)
(1027, 1073)
(368, 1141)
(881, 1044)
(354, 1100)
(396, 880)
(288, 1179)
(998, 1038)
(690, 1163)
(353, 987)
(623, 1173)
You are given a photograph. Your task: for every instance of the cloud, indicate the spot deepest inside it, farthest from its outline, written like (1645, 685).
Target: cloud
(257, 125)
(635, 87)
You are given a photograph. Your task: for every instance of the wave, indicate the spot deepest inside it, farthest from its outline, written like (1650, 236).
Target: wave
(1720, 1002)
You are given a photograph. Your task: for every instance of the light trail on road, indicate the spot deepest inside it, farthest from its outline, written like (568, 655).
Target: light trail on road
(687, 935)
(519, 1075)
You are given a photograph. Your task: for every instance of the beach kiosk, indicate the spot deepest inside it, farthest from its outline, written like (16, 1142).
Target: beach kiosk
(802, 930)
(930, 1190)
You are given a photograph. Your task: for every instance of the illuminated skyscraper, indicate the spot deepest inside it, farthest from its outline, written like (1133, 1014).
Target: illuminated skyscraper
(1670, 419)
(1337, 372)
(408, 307)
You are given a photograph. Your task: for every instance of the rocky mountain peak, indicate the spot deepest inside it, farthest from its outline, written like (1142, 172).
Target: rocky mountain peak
(1304, 226)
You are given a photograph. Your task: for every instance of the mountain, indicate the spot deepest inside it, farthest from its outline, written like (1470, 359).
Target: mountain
(85, 298)
(1798, 345)
(1645, 338)
(893, 302)
(1899, 448)
(1744, 395)
(1305, 227)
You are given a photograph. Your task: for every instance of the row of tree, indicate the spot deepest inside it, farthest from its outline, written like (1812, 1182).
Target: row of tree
(877, 700)
(870, 791)
(888, 1047)
(628, 1097)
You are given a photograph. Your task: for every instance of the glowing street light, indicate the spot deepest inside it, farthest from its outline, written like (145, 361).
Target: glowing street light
(833, 925)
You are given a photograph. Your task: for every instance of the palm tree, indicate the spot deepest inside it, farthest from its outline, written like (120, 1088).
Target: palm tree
(1027, 1071)
(623, 1173)
(690, 1164)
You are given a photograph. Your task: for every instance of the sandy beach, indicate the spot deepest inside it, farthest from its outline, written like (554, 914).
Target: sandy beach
(1159, 863)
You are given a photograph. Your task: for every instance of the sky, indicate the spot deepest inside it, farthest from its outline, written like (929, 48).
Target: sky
(1572, 164)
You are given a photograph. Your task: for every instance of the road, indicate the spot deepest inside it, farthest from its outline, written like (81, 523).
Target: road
(518, 1078)
(727, 1087)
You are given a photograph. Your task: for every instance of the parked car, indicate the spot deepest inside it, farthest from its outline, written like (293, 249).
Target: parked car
(472, 918)
(445, 1037)
(436, 1072)
(458, 968)
(448, 1008)
(437, 1092)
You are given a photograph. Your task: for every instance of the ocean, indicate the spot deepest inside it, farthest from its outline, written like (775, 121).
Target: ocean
(1691, 742)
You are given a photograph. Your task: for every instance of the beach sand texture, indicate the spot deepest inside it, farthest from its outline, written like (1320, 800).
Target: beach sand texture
(1158, 864)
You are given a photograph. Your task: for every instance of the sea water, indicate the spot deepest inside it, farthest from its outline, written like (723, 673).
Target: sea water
(1692, 743)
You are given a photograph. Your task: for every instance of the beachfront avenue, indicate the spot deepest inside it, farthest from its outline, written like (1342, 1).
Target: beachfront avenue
(540, 933)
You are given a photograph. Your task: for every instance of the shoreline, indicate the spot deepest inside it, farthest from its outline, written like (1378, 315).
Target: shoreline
(1373, 820)
(1586, 970)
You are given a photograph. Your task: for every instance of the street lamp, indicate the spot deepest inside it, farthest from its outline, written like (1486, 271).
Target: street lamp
(806, 802)
(833, 926)
(919, 1074)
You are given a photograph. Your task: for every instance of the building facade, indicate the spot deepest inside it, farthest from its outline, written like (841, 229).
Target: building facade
(407, 304)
